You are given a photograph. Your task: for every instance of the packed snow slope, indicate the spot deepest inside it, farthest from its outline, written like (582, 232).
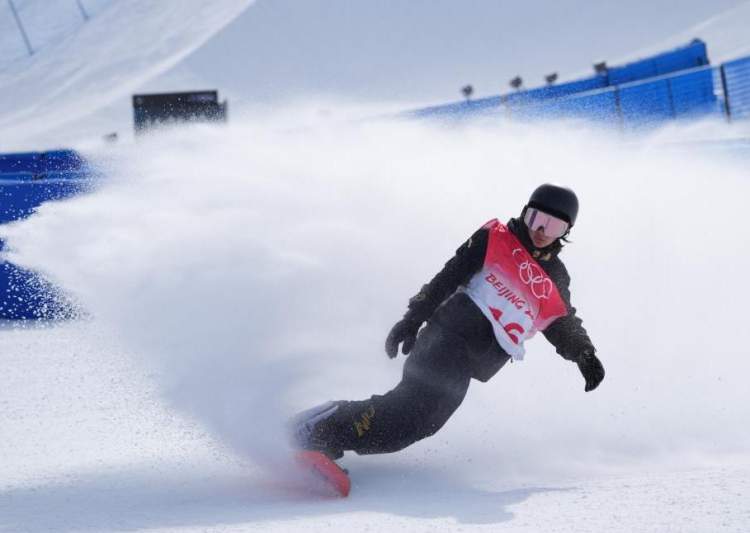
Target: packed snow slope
(421, 53)
(77, 85)
(725, 32)
(228, 277)
(79, 67)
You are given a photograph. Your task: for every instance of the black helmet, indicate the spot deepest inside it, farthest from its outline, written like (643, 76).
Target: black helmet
(556, 200)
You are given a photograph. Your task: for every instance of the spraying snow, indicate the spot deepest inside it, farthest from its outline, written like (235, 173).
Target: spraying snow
(232, 276)
(259, 269)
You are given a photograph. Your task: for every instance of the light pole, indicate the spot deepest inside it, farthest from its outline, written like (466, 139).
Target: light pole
(20, 27)
(516, 83)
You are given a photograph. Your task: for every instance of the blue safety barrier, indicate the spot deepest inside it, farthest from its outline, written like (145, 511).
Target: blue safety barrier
(693, 55)
(553, 91)
(24, 295)
(684, 95)
(41, 162)
(471, 108)
(687, 57)
(26, 181)
(22, 192)
(688, 93)
(736, 83)
(598, 105)
(694, 93)
(494, 104)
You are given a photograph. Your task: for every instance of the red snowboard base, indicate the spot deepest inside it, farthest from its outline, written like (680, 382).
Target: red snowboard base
(330, 475)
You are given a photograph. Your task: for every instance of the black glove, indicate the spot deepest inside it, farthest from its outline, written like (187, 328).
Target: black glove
(592, 370)
(404, 331)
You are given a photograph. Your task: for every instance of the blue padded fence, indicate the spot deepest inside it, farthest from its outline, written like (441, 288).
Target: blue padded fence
(517, 103)
(495, 104)
(736, 80)
(459, 109)
(693, 93)
(684, 95)
(41, 162)
(679, 84)
(693, 55)
(554, 91)
(26, 181)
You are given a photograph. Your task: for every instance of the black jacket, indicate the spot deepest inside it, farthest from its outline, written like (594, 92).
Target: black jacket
(439, 302)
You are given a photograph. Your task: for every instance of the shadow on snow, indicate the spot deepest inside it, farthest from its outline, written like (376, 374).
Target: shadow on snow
(151, 498)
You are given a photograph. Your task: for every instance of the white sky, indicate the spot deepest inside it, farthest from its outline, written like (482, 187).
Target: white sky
(423, 51)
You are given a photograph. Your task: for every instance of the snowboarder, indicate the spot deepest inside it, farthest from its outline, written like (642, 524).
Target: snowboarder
(504, 283)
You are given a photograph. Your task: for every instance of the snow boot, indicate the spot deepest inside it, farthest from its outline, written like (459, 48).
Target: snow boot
(313, 429)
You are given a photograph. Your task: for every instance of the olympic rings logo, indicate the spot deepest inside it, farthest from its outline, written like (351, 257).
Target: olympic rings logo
(532, 275)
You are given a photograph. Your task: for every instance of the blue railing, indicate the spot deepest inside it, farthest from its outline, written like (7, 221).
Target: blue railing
(675, 85)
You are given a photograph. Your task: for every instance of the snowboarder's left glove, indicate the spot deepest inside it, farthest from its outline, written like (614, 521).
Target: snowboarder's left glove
(404, 331)
(592, 370)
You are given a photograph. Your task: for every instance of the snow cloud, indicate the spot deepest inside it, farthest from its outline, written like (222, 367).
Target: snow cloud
(258, 267)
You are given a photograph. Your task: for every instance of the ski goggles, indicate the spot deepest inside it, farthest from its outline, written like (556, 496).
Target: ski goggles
(552, 226)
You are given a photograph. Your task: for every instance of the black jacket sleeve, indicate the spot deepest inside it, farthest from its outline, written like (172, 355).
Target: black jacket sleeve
(567, 333)
(457, 271)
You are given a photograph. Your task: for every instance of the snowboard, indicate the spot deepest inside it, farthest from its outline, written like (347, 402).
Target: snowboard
(326, 476)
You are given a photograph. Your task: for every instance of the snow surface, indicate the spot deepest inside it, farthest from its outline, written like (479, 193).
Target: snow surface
(216, 311)
(725, 33)
(80, 67)
(77, 86)
(231, 276)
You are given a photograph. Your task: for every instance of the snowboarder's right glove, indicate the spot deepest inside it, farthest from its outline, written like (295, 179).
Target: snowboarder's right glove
(404, 331)
(592, 370)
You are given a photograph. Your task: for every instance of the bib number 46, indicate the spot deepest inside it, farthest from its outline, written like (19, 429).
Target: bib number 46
(511, 329)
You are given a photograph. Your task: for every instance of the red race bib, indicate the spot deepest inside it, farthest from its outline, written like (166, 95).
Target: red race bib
(513, 291)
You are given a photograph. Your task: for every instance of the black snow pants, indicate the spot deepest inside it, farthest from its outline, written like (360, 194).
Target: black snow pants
(435, 379)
